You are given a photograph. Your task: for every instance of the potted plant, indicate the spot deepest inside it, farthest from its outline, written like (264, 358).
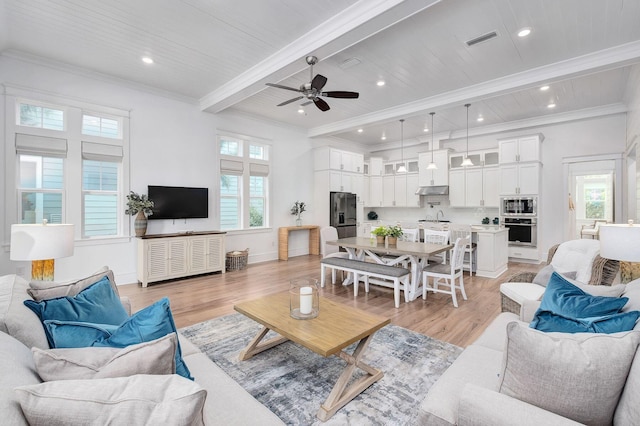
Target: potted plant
(297, 209)
(380, 232)
(139, 205)
(393, 233)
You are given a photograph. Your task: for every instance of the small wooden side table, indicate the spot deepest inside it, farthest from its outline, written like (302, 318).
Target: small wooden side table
(283, 239)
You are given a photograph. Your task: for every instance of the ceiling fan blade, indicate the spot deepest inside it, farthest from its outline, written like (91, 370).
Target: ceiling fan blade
(279, 86)
(341, 94)
(321, 104)
(290, 100)
(306, 103)
(318, 82)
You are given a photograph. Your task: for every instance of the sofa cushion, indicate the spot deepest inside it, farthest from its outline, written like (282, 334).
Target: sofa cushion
(628, 409)
(588, 370)
(139, 399)
(476, 364)
(615, 323)
(544, 274)
(148, 324)
(16, 369)
(576, 255)
(632, 292)
(97, 303)
(76, 334)
(43, 290)
(154, 357)
(15, 318)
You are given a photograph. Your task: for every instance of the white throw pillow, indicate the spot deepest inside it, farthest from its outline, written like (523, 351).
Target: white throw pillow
(135, 400)
(578, 376)
(154, 357)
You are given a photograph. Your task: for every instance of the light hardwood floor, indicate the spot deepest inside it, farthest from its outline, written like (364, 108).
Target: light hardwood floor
(209, 296)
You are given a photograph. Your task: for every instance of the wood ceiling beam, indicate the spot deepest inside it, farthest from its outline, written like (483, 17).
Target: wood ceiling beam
(356, 23)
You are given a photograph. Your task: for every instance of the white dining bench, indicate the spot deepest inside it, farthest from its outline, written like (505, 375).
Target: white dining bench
(367, 269)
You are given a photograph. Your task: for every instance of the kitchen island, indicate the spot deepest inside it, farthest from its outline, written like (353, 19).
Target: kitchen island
(492, 250)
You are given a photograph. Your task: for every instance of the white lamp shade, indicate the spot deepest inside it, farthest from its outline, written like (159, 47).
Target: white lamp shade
(620, 242)
(432, 166)
(41, 242)
(467, 162)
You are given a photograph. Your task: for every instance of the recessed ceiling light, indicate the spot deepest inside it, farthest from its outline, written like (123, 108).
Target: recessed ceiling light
(360, 130)
(147, 60)
(384, 138)
(301, 110)
(480, 119)
(426, 129)
(551, 105)
(380, 83)
(544, 88)
(524, 32)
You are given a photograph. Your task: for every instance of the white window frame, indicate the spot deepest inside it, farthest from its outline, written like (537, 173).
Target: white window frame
(245, 167)
(73, 194)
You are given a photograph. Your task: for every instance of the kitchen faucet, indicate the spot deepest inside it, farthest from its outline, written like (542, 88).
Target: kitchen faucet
(440, 212)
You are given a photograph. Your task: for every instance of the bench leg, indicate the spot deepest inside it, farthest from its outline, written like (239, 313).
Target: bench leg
(356, 282)
(322, 269)
(333, 276)
(407, 284)
(396, 292)
(366, 283)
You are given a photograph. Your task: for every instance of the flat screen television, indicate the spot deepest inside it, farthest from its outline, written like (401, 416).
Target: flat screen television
(178, 202)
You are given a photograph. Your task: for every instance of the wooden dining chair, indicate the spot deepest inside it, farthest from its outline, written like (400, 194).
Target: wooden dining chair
(437, 237)
(329, 233)
(447, 275)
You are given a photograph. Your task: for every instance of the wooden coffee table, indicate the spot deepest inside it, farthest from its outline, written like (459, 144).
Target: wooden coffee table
(336, 327)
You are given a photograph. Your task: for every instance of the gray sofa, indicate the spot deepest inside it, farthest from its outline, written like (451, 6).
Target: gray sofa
(20, 329)
(468, 393)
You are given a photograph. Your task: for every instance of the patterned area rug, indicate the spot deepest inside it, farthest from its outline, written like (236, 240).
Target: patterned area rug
(293, 381)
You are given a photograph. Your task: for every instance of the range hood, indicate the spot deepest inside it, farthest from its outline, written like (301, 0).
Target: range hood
(433, 190)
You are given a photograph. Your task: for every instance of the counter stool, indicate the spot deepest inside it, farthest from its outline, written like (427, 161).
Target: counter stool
(512, 295)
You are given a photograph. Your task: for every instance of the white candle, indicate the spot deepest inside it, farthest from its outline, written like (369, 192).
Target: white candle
(306, 300)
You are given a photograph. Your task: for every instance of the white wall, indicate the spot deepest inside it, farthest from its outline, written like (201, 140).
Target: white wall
(633, 129)
(172, 143)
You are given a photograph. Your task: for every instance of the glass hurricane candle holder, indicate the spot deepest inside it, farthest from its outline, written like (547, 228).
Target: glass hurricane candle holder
(304, 301)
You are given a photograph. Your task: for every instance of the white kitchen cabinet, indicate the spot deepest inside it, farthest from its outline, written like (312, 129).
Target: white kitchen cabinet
(474, 187)
(366, 190)
(520, 179)
(335, 159)
(375, 166)
(412, 185)
(492, 252)
(520, 150)
(524, 253)
(167, 256)
(438, 177)
(375, 191)
(388, 191)
(400, 191)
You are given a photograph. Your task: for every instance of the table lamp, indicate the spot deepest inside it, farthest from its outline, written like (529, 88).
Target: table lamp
(41, 243)
(620, 242)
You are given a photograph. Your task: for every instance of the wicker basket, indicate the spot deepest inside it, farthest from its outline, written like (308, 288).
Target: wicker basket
(237, 260)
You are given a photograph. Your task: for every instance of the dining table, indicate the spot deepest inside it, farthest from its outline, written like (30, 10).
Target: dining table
(415, 254)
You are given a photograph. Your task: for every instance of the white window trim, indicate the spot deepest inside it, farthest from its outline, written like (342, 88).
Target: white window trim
(246, 172)
(74, 109)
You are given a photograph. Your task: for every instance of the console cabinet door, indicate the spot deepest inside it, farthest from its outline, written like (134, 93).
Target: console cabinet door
(177, 256)
(215, 253)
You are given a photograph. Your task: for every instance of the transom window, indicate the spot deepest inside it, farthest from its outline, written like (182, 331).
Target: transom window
(33, 115)
(101, 126)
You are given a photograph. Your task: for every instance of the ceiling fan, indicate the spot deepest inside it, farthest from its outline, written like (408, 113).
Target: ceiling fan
(313, 89)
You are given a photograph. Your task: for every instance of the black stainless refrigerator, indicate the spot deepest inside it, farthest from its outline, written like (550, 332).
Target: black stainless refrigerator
(343, 213)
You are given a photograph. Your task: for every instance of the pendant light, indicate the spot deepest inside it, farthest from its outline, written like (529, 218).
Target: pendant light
(402, 168)
(467, 161)
(432, 165)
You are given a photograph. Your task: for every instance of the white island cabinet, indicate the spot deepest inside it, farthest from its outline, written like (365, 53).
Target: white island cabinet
(492, 250)
(166, 256)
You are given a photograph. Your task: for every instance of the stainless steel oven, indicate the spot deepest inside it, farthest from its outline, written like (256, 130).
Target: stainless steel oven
(519, 206)
(522, 230)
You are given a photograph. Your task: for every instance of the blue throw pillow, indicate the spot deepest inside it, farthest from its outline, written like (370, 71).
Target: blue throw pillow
(148, 324)
(563, 298)
(74, 334)
(550, 322)
(97, 303)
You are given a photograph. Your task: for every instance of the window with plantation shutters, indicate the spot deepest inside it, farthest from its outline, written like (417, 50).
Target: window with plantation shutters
(244, 183)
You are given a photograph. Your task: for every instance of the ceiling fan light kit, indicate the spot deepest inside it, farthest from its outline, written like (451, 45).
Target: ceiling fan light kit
(467, 161)
(432, 165)
(313, 90)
